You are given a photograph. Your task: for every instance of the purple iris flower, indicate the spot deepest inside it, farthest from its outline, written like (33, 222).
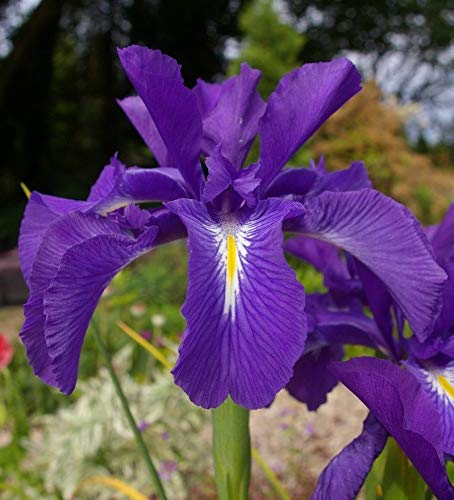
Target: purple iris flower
(246, 322)
(414, 405)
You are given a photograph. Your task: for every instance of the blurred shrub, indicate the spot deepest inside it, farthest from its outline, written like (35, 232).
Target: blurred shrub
(370, 128)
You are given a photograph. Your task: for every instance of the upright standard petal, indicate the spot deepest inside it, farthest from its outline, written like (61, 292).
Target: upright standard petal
(401, 405)
(246, 325)
(222, 175)
(207, 95)
(69, 303)
(234, 119)
(384, 237)
(343, 477)
(140, 117)
(303, 100)
(172, 107)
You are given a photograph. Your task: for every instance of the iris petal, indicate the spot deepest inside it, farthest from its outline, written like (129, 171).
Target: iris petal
(234, 119)
(438, 381)
(343, 477)
(222, 175)
(334, 326)
(313, 181)
(445, 321)
(246, 325)
(139, 116)
(303, 100)
(116, 186)
(326, 258)
(401, 405)
(207, 95)
(387, 239)
(311, 381)
(172, 107)
(84, 272)
(40, 212)
(138, 185)
(66, 231)
(442, 237)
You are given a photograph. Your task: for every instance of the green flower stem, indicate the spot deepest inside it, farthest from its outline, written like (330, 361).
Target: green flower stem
(232, 451)
(124, 403)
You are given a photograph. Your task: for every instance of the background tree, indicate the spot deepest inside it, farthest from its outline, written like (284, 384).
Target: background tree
(25, 81)
(405, 45)
(60, 122)
(370, 127)
(269, 44)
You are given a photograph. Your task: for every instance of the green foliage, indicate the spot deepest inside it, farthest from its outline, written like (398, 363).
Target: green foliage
(309, 277)
(393, 477)
(21, 395)
(424, 198)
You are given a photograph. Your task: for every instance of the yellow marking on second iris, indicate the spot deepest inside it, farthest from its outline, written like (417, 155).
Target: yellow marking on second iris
(447, 387)
(231, 258)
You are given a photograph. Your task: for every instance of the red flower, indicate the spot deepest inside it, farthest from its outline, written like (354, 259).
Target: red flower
(6, 352)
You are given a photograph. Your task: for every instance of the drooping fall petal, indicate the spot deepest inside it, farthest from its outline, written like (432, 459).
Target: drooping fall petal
(245, 316)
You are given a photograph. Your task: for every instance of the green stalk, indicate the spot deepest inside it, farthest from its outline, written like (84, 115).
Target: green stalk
(132, 423)
(232, 451)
